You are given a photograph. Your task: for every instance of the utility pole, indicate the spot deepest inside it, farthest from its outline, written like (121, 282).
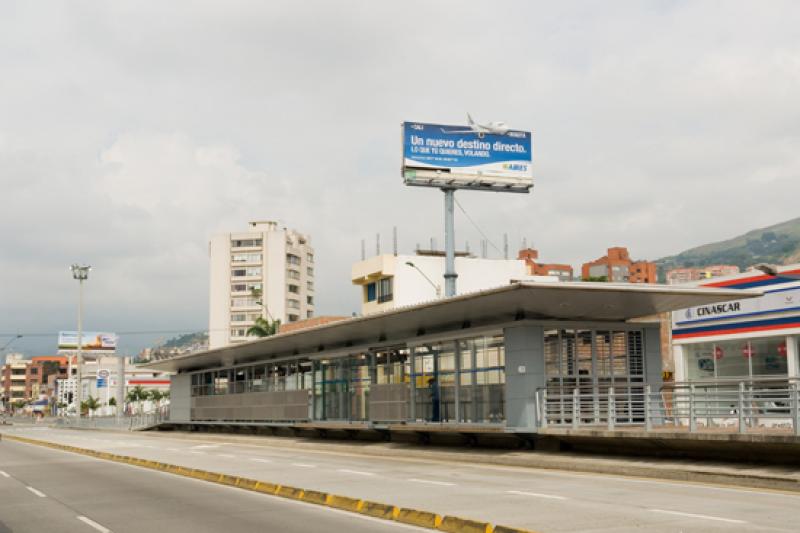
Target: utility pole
(81, 273)
(449, 244)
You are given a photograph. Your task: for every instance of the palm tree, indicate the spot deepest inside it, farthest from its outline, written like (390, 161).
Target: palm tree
(92, 404)
(264, 328)
(137, 395)
(155, 395)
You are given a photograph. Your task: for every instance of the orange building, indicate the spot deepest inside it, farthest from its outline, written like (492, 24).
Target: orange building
(618, 266)
(564, 272)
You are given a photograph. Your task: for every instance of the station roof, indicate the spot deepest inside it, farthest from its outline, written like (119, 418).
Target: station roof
(564, 301)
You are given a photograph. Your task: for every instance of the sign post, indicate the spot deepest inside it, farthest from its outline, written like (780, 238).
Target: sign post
(474, 157)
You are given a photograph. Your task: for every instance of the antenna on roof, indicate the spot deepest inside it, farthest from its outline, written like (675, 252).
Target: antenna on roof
(394, 240)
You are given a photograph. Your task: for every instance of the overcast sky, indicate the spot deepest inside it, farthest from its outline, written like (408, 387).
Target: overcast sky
(132, 131)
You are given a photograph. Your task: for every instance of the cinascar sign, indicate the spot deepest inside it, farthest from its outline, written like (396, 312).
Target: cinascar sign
(777, 301)
(706, 310)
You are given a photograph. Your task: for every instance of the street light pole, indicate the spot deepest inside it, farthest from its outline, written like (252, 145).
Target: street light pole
(80, 273)
(437, 288)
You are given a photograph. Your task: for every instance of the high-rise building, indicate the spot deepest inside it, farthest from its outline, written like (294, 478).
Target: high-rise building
(617, 266)
(266, 271)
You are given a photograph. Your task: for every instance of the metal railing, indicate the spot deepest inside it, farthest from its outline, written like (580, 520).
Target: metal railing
(133, 422)
(756, 406)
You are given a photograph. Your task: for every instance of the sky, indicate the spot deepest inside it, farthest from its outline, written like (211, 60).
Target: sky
(132, 131)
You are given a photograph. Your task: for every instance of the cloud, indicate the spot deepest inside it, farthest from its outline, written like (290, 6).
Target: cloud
(131, 132)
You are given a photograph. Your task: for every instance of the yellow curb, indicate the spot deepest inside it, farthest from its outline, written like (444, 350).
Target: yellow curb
(344, 503)
(378, 510)
(286, 491)
(454, 524)
(419, 518)
(314, 496)
(226, 479)
(246, 483)
(266, 488)
(506, 529)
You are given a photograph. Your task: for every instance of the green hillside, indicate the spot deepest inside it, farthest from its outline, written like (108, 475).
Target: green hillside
(778, 244)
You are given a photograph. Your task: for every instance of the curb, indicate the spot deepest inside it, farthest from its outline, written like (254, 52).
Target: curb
(425, 519)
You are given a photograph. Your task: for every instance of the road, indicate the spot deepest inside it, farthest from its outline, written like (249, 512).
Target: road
(50, 490)
(542, 500)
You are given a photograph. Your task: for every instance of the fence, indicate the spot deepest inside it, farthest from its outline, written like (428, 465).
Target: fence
(132, 422)
(745, 407)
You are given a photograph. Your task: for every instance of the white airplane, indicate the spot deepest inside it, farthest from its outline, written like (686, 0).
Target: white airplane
(495, 128)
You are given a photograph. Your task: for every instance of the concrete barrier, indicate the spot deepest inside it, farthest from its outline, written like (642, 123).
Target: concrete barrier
(285, 491)
(266, 488)
(315, 496)
(345, 503)
(453, 524)
(419, 518)
(378, 510)
(246, 483)
(226, 479)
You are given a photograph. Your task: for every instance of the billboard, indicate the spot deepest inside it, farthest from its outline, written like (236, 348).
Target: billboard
(91, 341)
(473, 157)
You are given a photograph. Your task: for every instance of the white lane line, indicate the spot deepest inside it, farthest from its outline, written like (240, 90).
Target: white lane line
(304, 465)
(202, 446)
(693, 515)
(536, 494)
(197, 453)
(356, 472)
(173, 450)
(226, 455)
(4, 474)
(258, 460)
(37, 492)
(431, 482)
(92, 523)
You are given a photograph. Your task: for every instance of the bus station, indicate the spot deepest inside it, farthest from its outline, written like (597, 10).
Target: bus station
(473, 364)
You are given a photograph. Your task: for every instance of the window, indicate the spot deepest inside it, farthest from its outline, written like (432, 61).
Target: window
(371, 292)
(309, 314)
(238, 332)
(246, 272)
(243, 301)
(310, 257)
(310, 285)
(385, 290)
(737, 358)
(292, 259)
(294, 318)
(243, 243)
(310, 300)
(246, 258)
(294, 288)
(293, 304)
(238, 317)
(245, 287)
(293, 274)
(310, 271)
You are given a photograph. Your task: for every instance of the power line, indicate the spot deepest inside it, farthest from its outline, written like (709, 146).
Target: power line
(476, 226)
(143, 332)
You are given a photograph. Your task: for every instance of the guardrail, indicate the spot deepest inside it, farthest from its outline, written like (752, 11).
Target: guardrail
(134, 422)
(743, 407)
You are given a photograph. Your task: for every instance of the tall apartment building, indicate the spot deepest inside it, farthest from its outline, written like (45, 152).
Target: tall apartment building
(617, 266)
(535, 268)
(685, 275)
(26, 379)
(266, 271)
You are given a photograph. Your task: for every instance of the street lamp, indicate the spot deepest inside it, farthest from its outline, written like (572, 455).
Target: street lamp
(80, 273)
(772, 270)
(435, 286)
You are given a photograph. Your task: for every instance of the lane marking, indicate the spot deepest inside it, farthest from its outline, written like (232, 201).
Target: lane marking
(432, 482)
(226, 455)
(37, 492)
(202, 446)
(304, 465)
(173, 450)
(257, 460)
(197, 453)
(356, 472)
(536, 494)
(703, 516)
(92, 523)
(4, 474)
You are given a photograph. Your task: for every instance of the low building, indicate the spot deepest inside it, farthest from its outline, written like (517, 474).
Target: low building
(617, 266)
(748, 340)
(535, 268)
(392, 281)
(25, 379)
(677, 276)
(490, 361)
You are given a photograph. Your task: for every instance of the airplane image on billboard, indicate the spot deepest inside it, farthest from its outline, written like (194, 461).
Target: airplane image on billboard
(478, 156)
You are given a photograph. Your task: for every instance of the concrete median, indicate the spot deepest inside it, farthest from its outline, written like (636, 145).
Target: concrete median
(419, 518)
(315, 496)
(345, 503)
(454, 524)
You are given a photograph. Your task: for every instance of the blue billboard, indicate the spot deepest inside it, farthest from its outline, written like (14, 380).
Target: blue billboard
(468, 150)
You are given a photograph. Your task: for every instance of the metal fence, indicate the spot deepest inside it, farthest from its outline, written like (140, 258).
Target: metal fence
(734, 406)
(134, 422)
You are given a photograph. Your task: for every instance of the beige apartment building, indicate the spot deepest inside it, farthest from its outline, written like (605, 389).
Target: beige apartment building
(266, 271)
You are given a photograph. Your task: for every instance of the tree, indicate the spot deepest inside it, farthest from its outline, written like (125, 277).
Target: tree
(155, 395)
(596, 278)
(91, 403)
(137, 395)
(112, 402)
(263, 328)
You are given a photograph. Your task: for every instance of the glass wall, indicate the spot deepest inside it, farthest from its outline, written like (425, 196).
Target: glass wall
(747, 358)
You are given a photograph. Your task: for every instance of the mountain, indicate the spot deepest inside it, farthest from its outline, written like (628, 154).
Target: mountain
(778, 244)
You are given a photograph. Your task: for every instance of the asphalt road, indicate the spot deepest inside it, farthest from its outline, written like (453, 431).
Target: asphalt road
(49, 490)
(542, 500)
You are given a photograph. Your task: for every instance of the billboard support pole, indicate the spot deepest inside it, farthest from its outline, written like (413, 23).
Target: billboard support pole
(449, 244)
